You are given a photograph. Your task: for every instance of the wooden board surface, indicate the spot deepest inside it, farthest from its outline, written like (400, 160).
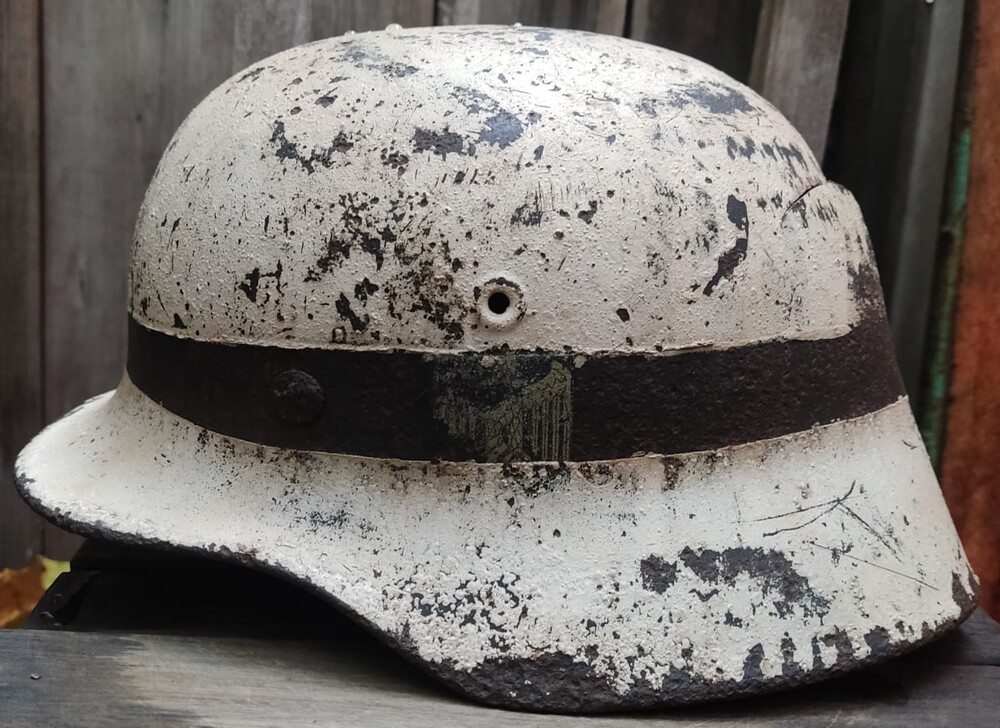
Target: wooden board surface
(921, 185)
(106, 680)
(197, 642)
(119, 78)
(20, 268)
(335, 17)
(602, 16)
(796, 61)
(719, 32)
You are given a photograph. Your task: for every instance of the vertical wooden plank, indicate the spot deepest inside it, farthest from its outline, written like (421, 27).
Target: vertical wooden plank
(458, 12)
(796, 60)
(99, 59)
(611, 16)
(605, 16)
(969, 465)
(336, 17)
(119, 77)
(264, 27)
(719, 32)
(917, 214)
(866, 141)
(20, 272)
(937, 365)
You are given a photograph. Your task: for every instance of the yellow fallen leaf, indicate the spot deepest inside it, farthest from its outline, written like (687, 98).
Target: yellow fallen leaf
(20, 589)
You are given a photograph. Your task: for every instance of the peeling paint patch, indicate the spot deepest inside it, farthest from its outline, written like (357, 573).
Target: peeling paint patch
(963, 598)
(396, 160)
(250, 283)
(529, 214)
(552, 681)
(501, 130)
(751, 665)
(289, 150)
(252, 74)
(344, 309)
(440, 143)
(717, 99)
(588, 215)
(658, 575)
(774, 571)
(734, 148)
(737, 211)
(864, 284)
(878, 640)
(845, 648)
(789, 667)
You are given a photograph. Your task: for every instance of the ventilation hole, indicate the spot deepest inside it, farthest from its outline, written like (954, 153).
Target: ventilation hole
(498, 302)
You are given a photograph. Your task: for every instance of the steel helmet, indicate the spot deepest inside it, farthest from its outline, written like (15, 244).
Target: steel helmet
(551, 357)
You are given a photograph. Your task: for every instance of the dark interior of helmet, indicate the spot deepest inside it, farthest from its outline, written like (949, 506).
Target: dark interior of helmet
(498, 302)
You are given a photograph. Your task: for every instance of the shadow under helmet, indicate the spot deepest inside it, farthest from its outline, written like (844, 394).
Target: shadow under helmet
(550, 357)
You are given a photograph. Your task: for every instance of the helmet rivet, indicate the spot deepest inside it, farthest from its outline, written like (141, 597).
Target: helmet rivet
(298, 397)
(500, 303)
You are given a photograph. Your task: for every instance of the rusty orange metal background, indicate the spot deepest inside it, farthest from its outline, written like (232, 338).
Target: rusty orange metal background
(970, 468)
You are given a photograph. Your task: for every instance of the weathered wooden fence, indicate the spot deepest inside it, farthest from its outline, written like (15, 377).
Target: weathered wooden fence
(91, 90)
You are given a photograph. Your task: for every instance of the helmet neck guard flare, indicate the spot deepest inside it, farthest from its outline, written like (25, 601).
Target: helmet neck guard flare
(550, 357)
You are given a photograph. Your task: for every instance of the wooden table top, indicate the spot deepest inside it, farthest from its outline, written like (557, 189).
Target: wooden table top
(131, 637)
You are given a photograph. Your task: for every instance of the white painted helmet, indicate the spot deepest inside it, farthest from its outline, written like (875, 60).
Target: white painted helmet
(551, 357)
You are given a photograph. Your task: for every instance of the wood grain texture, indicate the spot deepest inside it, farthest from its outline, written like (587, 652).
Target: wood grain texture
(120, 75)
(335, 17)
(603, 16)
(719, 32)
(969, 463)
(921, 183)
(20, 272)
(866, 144)
(303, 662)
(796, 60)
(94, 679)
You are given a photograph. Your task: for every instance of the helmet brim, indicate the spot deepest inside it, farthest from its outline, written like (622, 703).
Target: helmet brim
(570, 587)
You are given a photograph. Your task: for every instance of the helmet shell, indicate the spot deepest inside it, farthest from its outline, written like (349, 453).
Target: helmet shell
(548, 228)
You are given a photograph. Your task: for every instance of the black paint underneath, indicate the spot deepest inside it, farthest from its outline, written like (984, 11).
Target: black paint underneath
(388, 404)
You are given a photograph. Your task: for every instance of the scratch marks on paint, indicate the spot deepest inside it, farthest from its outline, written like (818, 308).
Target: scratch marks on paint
(829, 506)
(839, 503)
(843, 553)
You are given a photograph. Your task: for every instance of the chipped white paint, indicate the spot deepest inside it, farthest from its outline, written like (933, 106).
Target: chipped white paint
(411, 166)
(375, 191)
(832, 539)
